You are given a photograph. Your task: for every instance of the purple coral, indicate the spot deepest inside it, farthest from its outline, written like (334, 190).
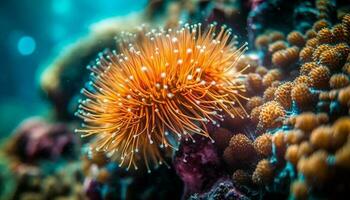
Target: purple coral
(198, 165)
(36, 140)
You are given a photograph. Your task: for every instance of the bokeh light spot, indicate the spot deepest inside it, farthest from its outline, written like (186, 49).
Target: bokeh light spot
(61, 7)
(26, 45)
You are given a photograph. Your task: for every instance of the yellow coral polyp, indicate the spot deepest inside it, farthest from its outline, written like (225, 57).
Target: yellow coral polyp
(164, 85)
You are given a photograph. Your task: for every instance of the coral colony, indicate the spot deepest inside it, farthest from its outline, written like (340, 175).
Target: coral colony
(271, 122)
(167, 85)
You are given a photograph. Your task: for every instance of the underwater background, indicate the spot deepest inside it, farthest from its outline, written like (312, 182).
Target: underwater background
(34, 32)
(257, 96)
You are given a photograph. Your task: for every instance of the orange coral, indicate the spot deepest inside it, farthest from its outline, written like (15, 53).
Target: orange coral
(254, 114)
(254, 102)
(167, 83)
(346, 68)
(319, 50)
(299, 190)
(303, 79)
(276, 35)
(320, 24)
(263, 144)
(240, 151)
(346, 25)
(280, 143)
(263, 173)
(262, 41)
(313, 42)
(305, 54)
(103, 175)
(332, 58)
(285, 57)
(341, 131)
(306, 68)
(305, 149)
(99, 158)
(310, 34)
(321, 137)
(343, 49)
(301, 95)
(344, 96)
(283, 94)
(322, 118)
(271, 76)
(315, 167)
(261, 70)
(338, 33)
(306, 121)
(269, 93)
(294, 136)
(319, 77)
(325, 36)
(271, 115)
(339, 81)
(292, 154)
(296, 38)
(276, 46)
(342, 157)
(254, 81)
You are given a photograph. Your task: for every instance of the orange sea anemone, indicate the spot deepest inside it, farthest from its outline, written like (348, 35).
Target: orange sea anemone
(163, 86)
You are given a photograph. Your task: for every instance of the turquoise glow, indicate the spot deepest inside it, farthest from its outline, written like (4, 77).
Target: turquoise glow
(26, 45)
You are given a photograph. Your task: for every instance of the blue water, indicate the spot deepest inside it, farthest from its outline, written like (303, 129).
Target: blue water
(32, 33)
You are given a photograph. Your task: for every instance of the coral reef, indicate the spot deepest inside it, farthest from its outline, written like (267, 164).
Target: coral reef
(303, 112)
(211, 120)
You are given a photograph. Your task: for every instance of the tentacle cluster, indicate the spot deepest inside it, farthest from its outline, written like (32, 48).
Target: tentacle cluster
(163, 86)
